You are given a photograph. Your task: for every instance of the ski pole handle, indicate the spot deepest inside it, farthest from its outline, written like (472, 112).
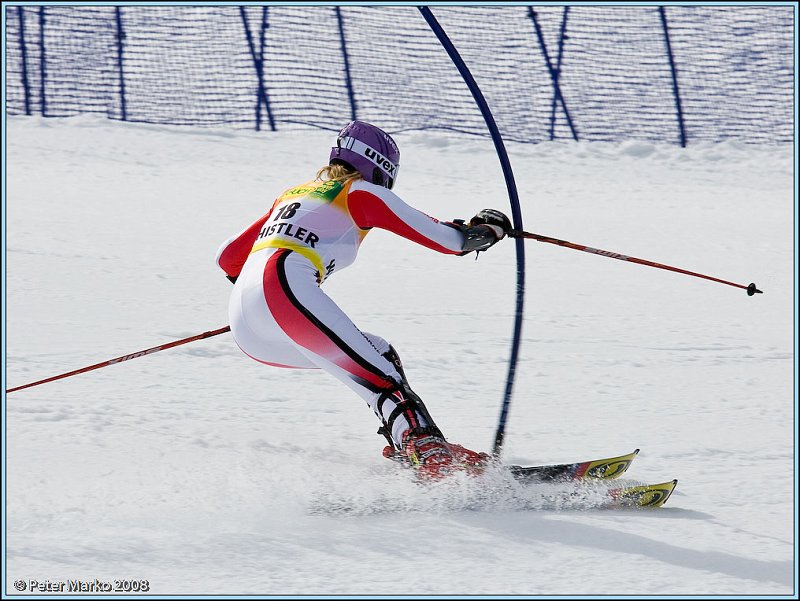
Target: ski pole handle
(750, 288)
(136, 355)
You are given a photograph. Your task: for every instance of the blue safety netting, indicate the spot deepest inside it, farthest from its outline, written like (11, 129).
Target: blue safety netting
(676, 74)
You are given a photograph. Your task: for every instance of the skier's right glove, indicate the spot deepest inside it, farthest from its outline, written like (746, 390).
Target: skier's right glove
(484, 229)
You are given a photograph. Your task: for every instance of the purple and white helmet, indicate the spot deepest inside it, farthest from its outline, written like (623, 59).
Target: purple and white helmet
(368, 150)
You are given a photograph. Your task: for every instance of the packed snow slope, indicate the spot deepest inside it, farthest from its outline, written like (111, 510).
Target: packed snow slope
(202, 471)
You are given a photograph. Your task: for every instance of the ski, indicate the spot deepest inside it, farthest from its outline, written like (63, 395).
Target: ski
(648, 495)
(598, 469)
(581, 495)
(586, 484)
(587, 494)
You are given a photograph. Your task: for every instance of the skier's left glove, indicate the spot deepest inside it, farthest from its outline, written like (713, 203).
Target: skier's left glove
(483, 230)
(493, 219)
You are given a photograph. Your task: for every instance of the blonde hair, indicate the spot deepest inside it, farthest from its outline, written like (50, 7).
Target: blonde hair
(338, 173)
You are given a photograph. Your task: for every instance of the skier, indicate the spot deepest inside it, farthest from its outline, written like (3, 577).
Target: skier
(280, 316)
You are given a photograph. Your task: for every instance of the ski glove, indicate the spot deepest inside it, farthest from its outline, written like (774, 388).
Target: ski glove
(484, 229)
(494, 219)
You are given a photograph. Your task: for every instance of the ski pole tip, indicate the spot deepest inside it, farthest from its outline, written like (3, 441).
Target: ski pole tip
(751, 290)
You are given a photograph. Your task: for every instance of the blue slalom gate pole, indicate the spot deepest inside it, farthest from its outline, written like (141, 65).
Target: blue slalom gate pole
(515, 211)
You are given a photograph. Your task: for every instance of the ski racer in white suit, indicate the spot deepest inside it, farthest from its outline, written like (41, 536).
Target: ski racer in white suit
(280, 316)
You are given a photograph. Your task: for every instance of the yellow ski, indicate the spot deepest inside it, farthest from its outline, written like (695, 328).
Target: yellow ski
(649, 495)
(598, 469)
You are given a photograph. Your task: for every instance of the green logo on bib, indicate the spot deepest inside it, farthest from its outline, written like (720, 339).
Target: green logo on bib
(327, 190)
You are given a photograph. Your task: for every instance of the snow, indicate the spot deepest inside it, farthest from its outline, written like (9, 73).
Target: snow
(203, 471)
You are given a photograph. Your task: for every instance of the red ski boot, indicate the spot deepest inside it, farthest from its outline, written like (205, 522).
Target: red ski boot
(434, 458)
(469, 459)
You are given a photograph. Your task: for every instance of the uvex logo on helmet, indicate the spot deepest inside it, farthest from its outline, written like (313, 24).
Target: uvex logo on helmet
(376, 157)
(370, 151)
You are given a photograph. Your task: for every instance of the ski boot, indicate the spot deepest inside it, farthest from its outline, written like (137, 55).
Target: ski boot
(427, 451)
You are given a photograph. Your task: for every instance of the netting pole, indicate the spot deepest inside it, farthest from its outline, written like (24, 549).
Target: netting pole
(555, 72)
(515, 210)
(120, 58)
(258, 62)
(346, 58)
(561, 37)
(24, 55)
(262, 39)
(675, 88)
(42, 63)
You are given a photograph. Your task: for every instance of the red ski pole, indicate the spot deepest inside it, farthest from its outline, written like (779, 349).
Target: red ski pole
(149, 351)
(751, 288)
